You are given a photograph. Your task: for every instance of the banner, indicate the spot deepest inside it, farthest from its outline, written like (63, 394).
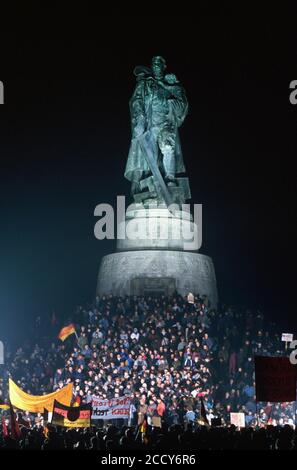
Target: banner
(154, 421)
(287, 337)
(237, 419)
(114, 408)
(275, 379)
(37, 403)
(71, 416)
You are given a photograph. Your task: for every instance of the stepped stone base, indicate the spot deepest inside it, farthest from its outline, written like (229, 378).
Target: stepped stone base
(157, 272)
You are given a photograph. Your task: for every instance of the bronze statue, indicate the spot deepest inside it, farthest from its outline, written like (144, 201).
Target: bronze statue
(158, 108)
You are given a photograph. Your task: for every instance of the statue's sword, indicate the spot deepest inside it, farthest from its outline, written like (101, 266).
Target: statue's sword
(146, 145)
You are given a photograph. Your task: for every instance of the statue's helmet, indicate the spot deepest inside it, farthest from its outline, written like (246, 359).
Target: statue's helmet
(157, 59)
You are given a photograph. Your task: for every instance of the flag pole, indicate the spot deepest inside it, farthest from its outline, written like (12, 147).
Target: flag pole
(270, 414)
(77, 340)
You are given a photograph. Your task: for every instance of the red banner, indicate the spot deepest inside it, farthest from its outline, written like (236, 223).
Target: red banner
(275, 379)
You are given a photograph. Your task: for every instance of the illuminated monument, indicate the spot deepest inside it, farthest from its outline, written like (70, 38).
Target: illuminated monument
(160, 254)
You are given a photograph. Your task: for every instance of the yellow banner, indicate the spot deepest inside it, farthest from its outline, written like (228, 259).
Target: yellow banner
(79, 423)
(37, 403)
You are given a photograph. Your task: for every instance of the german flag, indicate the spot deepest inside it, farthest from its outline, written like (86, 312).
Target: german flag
(3, 406)
(66, 331)
(76, 401)
(71, 416)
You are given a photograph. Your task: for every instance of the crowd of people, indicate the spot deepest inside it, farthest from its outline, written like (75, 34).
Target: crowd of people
(170, 355)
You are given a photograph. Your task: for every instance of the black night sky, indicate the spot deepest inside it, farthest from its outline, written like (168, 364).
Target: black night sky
(65, 135)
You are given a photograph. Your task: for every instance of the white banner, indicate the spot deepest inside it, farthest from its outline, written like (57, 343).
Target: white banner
(238, 419)
(288, 337)
(114, 408)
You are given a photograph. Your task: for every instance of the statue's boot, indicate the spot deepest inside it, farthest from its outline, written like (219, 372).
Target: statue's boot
(169, 166)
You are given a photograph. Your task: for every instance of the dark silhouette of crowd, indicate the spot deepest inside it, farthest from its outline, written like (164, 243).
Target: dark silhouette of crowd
(171, 356)
(176, 437)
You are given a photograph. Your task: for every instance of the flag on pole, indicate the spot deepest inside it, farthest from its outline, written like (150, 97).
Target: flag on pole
(66, 331)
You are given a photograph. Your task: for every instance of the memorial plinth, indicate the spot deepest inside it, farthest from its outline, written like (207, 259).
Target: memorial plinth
(157, 263)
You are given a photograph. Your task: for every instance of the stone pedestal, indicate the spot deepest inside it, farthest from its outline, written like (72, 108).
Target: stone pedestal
(157, 258)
